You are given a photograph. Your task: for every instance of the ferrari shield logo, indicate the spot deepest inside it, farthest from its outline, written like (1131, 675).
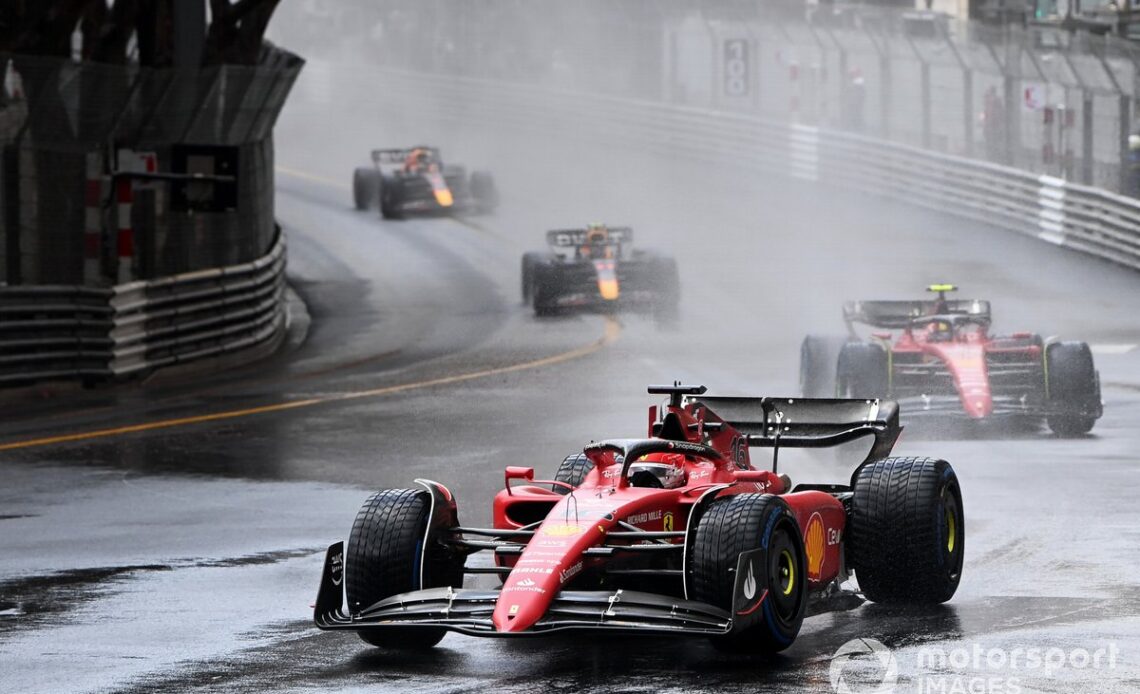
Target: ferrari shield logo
(667, 521)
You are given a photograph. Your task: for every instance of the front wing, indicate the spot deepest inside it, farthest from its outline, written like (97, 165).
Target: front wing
(468, 611)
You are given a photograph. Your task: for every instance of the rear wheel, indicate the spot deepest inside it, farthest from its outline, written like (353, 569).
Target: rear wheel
(906, 533)
(484, 191)
(572, 471)
(862, 371)
(389, 198)
(384, 558)
(545, 296)
(1073, 387)
(819, 360)
(667, 309)
(365, 188)
(531, 263)
(740, 523)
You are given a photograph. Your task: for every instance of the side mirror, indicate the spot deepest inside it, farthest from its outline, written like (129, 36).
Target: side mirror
(758, 476)
(517, 473)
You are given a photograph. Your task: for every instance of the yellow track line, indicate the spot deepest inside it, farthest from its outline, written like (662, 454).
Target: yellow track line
(312, 177)
(612, 330)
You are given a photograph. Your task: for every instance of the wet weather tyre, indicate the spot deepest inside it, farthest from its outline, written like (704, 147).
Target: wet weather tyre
(906, 530)
(667, 308)
(819, 359)
(862, 371)
(531, 265)
(1074, 388)
(388, 196)
(484, 191)
(572, 471)
(365, 188)
(739, 523)
(384, 559)
(546, 290)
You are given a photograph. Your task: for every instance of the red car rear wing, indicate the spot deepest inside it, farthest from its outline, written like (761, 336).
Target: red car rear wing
(899, 314)
(808, 422)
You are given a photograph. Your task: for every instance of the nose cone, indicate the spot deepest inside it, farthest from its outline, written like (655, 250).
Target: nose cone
(526, 594)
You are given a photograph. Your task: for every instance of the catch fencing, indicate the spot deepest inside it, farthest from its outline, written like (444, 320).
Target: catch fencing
(92, 334)
(1082, 218)
(1038, 99)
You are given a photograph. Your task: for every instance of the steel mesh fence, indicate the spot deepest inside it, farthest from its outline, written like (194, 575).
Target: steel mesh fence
(1040, 99)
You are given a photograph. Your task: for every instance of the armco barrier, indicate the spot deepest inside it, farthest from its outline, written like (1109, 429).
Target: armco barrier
(98, 334)
(1085, 219)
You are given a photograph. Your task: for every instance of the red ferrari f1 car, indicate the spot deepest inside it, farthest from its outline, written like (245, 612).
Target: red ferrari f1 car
(937, 357)
(674, 533)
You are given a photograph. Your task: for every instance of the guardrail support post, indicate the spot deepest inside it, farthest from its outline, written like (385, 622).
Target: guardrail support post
(1122, 139)
(885, 94)
(1087, 138)
(968, 112)
(11, 163)
(927, 135)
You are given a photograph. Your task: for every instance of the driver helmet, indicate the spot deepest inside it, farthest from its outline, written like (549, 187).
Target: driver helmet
(419, 158)
(597, 237)
(645, 473)
(940, 330)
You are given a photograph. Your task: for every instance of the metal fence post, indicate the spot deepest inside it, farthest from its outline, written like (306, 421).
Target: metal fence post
(11, 163)
(1087, 137)
(1125, 131)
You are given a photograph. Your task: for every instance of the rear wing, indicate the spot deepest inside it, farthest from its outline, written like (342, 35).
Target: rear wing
(569, 238)
(809, 422)
(899, 314)
(399, 155)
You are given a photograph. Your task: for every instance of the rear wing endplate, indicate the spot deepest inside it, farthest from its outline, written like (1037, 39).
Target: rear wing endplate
(568, 238)
(809, 422)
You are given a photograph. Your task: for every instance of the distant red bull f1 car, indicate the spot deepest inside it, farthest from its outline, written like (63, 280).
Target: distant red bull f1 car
(415, 180)
(598, 268)
(937, 357)
(674, 533)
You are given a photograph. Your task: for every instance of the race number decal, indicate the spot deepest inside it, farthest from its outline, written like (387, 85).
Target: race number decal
(736, 67)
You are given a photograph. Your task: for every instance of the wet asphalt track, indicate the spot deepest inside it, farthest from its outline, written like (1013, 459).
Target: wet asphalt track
(185, 558)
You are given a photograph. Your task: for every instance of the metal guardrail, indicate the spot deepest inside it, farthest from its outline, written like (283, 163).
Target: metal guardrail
(1083, 218)
(52, 332)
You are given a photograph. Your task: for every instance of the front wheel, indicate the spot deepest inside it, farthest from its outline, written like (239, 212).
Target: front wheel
(1073, 387)
(862, 371)
(740, 523)
(365, 188)
(906, 530)
(572, 471)
(386, 556)
(819, 359)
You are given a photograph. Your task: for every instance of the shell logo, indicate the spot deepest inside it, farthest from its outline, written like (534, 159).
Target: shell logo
(561, 530)
(815, 545)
